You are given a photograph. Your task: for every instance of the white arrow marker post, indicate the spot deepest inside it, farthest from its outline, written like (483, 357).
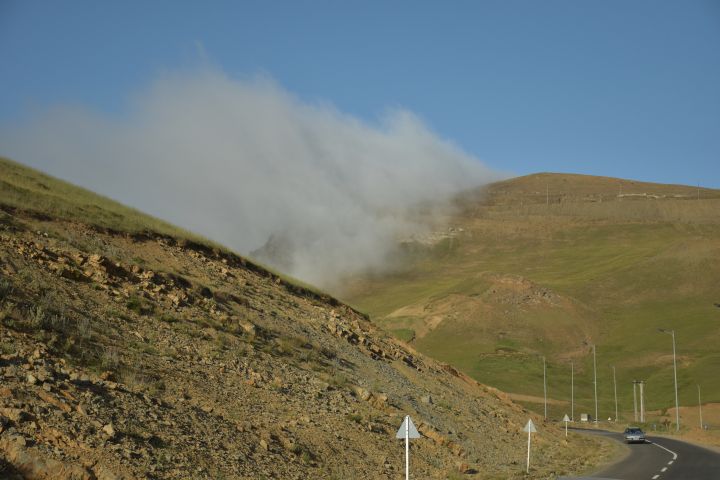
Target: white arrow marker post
(529, 428)
(407, 431)
(566, 419)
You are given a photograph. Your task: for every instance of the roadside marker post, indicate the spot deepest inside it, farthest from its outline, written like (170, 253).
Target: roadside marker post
(407, 431)
(566, 419)
(529, 428)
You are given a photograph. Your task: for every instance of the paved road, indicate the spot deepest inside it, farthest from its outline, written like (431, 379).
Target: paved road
(661, 459)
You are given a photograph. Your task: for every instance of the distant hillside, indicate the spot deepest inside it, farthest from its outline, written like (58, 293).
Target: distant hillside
(558, 188)
(549, 264)
(128, 350)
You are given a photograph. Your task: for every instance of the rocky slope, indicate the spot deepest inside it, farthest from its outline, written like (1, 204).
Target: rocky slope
(138, 355)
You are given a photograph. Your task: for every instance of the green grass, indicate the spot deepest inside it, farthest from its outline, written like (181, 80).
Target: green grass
(30, 190)
(404, 334)
(619, 269)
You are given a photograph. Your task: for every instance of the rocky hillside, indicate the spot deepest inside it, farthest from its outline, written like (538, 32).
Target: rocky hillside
(128, 354)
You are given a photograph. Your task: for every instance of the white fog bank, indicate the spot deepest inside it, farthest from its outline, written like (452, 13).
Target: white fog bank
(244, 161)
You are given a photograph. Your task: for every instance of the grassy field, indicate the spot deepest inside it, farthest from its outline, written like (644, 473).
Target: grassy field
(31, 190)
(549, 264)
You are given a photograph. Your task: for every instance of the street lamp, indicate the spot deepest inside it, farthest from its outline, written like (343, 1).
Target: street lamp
(635, 383)
(595, 383)
(700, 407)
(677, 406)
(545, 386)
(615, 390)
(572, 391)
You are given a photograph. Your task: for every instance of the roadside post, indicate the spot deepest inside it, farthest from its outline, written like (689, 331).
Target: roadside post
(529, 428)
(407, 431)
(566, 419)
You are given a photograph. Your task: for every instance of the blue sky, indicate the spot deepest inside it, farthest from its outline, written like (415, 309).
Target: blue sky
(617, 88)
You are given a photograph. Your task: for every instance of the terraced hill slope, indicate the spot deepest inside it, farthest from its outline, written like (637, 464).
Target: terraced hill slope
(549, 264)
(128, 349)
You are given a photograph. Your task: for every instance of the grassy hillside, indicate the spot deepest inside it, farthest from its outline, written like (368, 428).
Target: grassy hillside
(145, 355)
(549, 264)
(33, 191)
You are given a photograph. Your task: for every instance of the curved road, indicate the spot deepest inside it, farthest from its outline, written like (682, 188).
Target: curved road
(660, 459)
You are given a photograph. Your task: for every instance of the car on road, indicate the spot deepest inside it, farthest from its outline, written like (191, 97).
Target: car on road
(634, 435)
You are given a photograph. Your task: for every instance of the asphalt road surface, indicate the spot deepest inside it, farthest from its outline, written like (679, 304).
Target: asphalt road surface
(660, 459)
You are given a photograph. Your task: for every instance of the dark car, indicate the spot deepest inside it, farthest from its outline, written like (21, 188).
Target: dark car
(634, 435)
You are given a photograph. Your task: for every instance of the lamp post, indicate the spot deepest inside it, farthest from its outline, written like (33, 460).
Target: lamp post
(677, 406)
(545, 387)
(572, 391)
(635, 383)
(615, 391)
(595, 383)
(642, 400)
(700, 407)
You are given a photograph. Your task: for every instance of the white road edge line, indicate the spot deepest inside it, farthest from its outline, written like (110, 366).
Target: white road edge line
(666, 449)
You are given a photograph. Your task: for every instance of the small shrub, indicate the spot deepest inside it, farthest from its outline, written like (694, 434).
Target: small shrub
(144, 348)
(222, 341)
(68, 346)
(310, 356)
(38, 316)
(82, 327)
(7, 348)
(284, 347)
(110, 358)
(354, 417)
(338, 380)
(134, 304)
(6, 289)
(58, 322)
(140, 380)
(303, 453)
(168, 318)
(156, 387)
(139, 305)
(328, 353)
(6, 311)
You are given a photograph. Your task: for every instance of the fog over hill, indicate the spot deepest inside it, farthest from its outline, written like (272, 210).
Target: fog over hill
(244, 162)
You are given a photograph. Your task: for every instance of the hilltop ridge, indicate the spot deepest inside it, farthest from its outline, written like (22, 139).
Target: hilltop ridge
(550, 264)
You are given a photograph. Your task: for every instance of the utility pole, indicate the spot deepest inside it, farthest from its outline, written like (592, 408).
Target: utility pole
(635, 382)
(572, 391)
(547, 194)
(595, 383)
(642, 401)
(545, 387)
(677, 406)
(700, 407)
(615, 390)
